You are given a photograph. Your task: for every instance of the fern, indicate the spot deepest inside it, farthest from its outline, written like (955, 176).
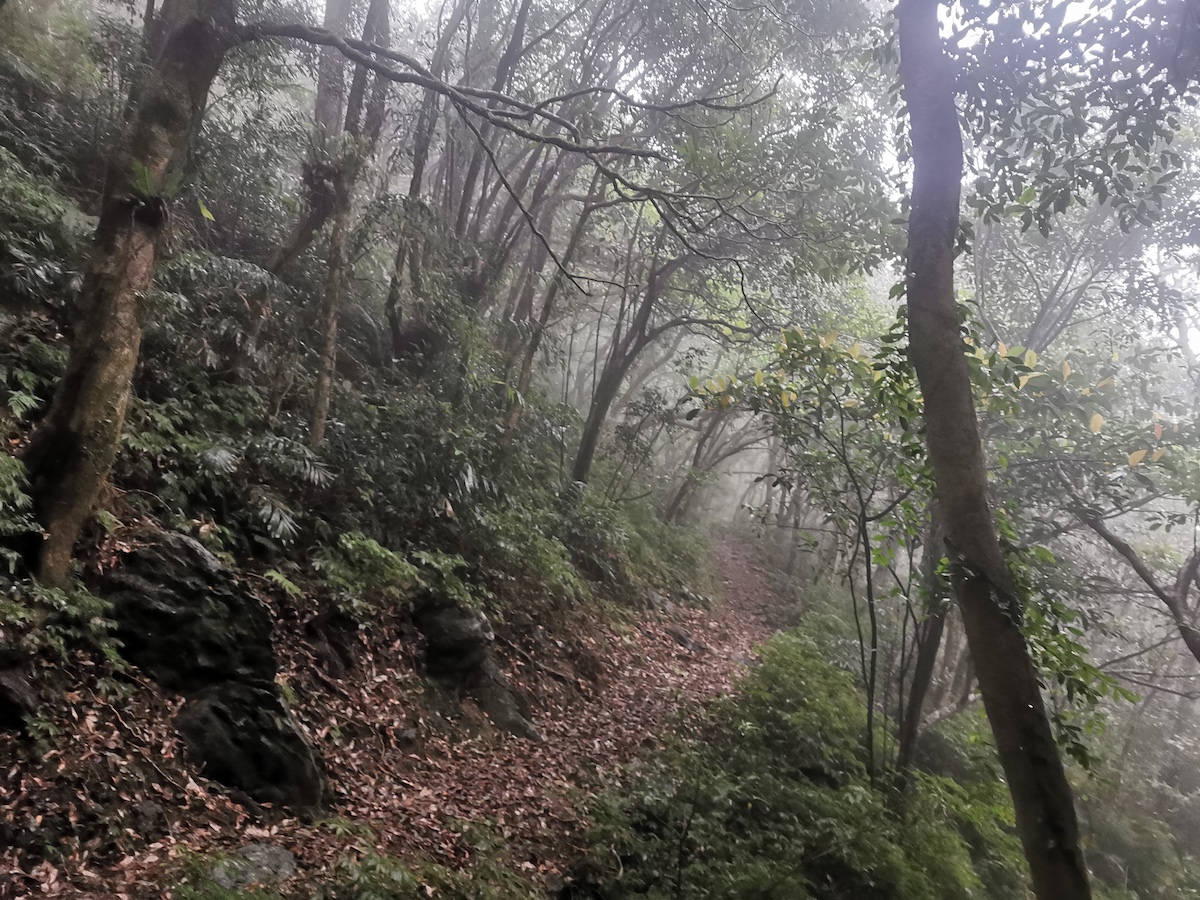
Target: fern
(284, 583)
(15, 508)
(278, 520)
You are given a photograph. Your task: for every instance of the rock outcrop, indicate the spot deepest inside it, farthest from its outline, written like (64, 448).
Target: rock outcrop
(459, 653)
(186, 621)
(243, 736)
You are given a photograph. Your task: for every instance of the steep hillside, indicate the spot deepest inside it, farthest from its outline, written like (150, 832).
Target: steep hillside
(116, 810)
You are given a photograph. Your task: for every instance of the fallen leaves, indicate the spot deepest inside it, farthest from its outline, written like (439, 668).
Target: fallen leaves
(419, 770)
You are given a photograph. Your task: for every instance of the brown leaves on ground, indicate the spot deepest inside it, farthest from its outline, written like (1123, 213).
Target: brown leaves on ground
(413, 765)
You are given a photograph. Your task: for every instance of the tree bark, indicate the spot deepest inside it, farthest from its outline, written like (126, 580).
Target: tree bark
(929, 642)
(74, 448)
(1045, 812)
(376, 29)
(1174, 598)
(331, 302)
(331, 72)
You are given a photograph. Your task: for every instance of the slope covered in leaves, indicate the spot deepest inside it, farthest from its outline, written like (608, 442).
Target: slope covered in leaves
(417, 776)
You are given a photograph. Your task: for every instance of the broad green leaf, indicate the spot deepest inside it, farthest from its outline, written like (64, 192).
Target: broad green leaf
(204, 211)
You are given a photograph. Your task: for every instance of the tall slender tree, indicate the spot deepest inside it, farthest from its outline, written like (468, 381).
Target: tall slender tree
(983, 585)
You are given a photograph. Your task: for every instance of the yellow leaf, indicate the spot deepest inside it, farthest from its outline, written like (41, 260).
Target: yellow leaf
(1086, 392)
(876, 374)
(1066, 370)
(204, 211)
(828, 339)
(855, 350)
(1023, 380)
(1096, 423)
(786, 399)
(758, 378)
(1158, 431)
(1136, 457)
(1106, 382)
(1157, 454)
(1002, 349)
(1030, 358)
(725, 401)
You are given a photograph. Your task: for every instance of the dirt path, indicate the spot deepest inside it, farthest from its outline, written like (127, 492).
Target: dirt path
(529, 792)
(415, 783)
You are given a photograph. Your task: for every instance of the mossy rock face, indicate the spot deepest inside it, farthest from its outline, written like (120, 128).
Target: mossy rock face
(242, 736)
(459, 653)
(186, 621)
(183, 617)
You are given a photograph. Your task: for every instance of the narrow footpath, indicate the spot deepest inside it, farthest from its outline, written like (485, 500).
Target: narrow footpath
(426, 783)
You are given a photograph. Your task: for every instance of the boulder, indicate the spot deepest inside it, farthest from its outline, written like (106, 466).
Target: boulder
(254, 864)
(243, 736)
(184, 619)
(18, 695)
(503, 706)
(457, 640)
(458, 651)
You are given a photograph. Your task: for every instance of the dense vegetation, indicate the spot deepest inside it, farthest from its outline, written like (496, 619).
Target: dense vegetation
(449, 334)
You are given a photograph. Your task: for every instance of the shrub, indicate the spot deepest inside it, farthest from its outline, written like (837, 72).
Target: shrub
(774, 802)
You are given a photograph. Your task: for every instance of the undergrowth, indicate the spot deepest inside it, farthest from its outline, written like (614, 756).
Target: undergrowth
(775, 802)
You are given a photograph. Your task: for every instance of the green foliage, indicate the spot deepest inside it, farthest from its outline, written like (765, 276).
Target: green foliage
(1077, 688)
(370, 875)
(1134, 855)
(775, 802)
(674, 556)
(195, 882)
(376, 877)
(53, 621)
(16, 519)
(365, 575)
(54, 47)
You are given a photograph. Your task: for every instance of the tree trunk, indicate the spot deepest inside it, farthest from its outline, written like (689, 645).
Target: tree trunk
(331, 72)
(74, 448)
(929, 642)
(376, 30)
(331, 302)
(1008, 681)
(607, 388)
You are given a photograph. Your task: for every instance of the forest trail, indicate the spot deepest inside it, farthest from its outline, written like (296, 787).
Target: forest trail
(649, 682)
(421, 775)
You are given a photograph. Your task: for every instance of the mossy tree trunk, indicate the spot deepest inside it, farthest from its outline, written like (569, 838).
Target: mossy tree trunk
(360, 139)
(72, 452)
(1008, 681)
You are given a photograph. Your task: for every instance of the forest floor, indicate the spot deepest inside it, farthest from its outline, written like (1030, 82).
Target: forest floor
(412, 782)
